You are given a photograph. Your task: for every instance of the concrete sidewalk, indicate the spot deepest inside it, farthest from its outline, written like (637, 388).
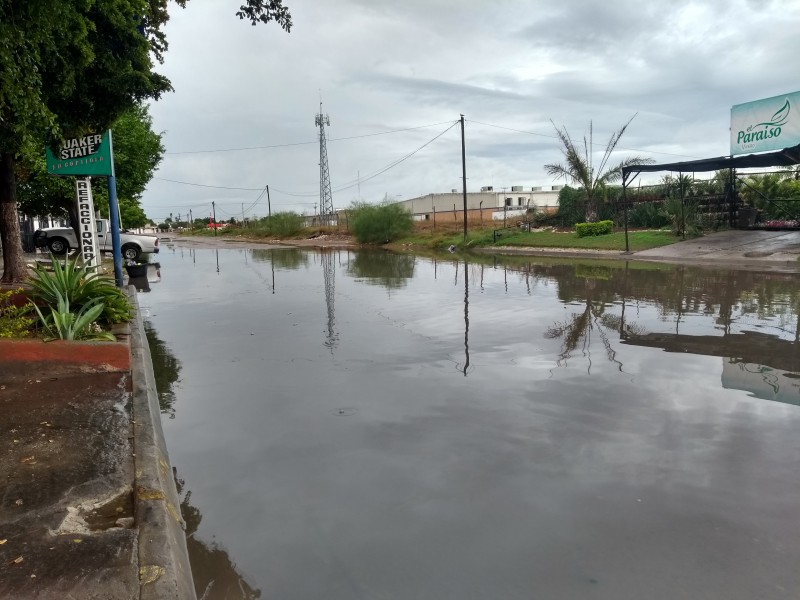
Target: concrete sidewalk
(734, 249)
(88, 506)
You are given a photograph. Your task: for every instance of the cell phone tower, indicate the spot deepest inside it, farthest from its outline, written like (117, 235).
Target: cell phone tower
(326, 213)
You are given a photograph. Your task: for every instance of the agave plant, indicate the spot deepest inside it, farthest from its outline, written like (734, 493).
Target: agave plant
(79, 285)
(64, 324)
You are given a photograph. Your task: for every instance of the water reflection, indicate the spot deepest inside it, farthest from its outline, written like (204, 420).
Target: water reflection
(465, 368)
(329, 275)
(764, 365)
(392, 271)
(578, 328)
(215, 575)
(167, 370)
(282, 258)
(730, 300)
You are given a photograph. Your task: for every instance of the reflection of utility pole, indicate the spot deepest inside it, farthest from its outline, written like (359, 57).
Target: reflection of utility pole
(216, 251)
(272, 264)
(466, 318)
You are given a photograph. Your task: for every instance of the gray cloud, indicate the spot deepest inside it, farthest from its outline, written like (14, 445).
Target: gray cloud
(382, 65)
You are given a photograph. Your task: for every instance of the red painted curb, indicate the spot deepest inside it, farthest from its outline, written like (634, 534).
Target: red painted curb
(82, 357)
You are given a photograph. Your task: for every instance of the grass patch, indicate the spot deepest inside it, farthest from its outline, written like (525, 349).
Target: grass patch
(483, 238)
(638, 240)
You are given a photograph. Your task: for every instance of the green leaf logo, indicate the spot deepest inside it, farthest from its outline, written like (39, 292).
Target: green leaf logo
(779, 118)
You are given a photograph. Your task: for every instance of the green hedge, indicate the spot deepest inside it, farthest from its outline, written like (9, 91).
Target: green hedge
(599, 228)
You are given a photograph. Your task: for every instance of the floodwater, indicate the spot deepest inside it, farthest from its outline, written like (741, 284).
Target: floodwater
(367, 425)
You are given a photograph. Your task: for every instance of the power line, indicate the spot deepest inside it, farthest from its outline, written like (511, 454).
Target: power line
(217, 187)
(555, 138)
(397, 162)
(347, 185)
(354, 182)
(341, 139)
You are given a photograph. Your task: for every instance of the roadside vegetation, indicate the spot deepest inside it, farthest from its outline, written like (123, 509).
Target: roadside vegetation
(15, 320)
(674, 209)
(379, 224)
(489, 237)
(67, 302)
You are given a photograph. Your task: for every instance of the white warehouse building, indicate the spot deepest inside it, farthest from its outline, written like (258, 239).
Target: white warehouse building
(489, 202)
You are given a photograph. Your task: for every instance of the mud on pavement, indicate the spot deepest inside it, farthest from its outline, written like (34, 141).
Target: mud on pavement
(66, 503)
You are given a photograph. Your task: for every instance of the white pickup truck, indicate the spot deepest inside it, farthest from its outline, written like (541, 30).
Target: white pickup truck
(60, 240)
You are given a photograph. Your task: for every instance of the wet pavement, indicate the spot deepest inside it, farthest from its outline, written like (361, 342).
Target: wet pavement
(741, 249)
(67, 509)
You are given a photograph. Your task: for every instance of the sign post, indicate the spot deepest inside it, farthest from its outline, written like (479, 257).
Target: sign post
(83, 157)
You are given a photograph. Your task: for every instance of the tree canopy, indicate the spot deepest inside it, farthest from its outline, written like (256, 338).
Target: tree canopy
(71, 67)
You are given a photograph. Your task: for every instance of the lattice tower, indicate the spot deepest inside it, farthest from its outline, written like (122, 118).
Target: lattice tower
(325, 196)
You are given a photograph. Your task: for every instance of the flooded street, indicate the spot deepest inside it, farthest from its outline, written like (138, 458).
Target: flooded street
(354, 424)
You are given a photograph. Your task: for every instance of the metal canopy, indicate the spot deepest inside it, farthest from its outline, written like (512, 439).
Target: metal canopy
(783, 158)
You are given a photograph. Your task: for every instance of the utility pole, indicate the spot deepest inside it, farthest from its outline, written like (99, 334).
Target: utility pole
(242, 214)
(269, 207)
(464, 176)
(191, 222)
(214, 217)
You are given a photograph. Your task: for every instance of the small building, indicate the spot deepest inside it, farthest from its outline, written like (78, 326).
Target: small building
(489, 203)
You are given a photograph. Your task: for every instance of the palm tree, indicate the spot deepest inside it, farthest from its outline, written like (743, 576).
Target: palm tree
(578, 168)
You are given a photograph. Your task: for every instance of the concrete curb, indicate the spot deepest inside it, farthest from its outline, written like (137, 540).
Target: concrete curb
(164, 571)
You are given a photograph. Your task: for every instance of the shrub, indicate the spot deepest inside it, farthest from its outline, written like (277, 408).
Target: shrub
(571, 207)
(648, 214)
(79, 285)
(599, 228)
(14, 320)
(683, 216)
(283, 224)
(380, 224)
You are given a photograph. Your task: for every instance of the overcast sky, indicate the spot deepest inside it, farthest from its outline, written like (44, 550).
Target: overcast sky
(384, 65)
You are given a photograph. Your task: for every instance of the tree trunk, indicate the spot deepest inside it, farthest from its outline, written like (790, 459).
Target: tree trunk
(10, 238)
(591, 211)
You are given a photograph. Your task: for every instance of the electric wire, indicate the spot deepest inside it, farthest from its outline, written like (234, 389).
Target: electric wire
(556, 137)
(286, 145)
(355, 182)
(345, 186)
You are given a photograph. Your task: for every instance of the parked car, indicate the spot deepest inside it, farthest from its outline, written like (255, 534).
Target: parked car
(60, 240)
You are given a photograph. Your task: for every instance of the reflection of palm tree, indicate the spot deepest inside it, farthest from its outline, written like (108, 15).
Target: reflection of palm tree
(166, 368)
(214, 573)
(577, 331)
